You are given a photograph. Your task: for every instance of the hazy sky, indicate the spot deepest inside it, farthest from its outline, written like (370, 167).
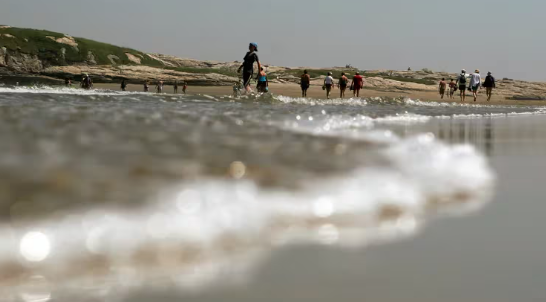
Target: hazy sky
(504, 36)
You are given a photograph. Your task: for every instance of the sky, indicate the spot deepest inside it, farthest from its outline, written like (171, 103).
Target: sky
(502, 36)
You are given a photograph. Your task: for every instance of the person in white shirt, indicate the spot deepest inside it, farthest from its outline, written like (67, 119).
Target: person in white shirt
(475, 83)
(328, 84)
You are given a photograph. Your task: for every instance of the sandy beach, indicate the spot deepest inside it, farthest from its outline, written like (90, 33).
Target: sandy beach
(293, 90)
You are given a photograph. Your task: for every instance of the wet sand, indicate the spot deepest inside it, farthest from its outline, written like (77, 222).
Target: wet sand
(293, 90)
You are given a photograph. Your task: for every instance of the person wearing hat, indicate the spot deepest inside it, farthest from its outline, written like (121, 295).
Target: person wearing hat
(475, 83)
(248, 65)
(328, 84)
(461, 82)
(489, 84)
(356, 84)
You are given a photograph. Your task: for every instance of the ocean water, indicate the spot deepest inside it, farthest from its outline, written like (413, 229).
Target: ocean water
(112, 196)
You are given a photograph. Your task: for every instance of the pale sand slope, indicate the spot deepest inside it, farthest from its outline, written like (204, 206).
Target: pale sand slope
(293, 90)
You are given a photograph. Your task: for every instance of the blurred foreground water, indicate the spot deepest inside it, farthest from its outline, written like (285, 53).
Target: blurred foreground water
(111, 196)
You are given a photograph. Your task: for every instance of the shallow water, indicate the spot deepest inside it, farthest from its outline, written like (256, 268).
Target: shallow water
(108, 196)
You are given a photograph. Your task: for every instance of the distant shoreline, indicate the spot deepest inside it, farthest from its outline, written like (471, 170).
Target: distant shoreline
(315, 92)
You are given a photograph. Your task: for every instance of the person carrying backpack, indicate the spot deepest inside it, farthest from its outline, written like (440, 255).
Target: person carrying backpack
(489, 84)
(461, 82)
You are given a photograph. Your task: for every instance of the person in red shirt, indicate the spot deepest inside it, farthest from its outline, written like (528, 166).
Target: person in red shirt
(357, 84)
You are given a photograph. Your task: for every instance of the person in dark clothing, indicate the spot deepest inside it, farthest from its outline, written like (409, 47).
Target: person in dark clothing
(342, 85)
(305, 82)
(248, 65)
(146, 86)
(175, 86)
(489, 84)
(123, 85)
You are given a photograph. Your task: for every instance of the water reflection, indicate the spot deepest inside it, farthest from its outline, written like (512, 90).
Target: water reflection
(494, 136)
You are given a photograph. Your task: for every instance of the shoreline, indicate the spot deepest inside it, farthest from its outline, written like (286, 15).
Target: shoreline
(316, 92)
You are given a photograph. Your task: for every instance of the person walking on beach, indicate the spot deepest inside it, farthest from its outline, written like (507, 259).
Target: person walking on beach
(442, 87)
(342, 84)
(357, 84)
(328, 84)
(123, 85)
(263, 84)
(475, 83)
(461, 82)
(184, 87)
(86, 82)
(159, 87)
(305, 82)
(452, 88)
(146, 86)
(489, 84)
(248, 65)
(175, 86)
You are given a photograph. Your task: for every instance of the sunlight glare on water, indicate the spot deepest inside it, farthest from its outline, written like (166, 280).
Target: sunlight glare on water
(35, 246)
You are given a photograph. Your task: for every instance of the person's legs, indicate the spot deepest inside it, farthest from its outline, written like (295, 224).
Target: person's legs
(475, 92)
(489, 92)
(246, 81)
(328, 89)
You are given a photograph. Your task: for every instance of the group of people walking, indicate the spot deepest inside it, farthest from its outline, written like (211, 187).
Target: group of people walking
(357, 83)
(159, 86)
(474, 82)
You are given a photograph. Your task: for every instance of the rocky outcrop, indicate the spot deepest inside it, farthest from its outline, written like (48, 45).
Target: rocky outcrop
(133, 58)
(24, 63)
(3, 53)
(91, 58)
(113, 59)
(164, 62)
(137, 74)
(68, 40)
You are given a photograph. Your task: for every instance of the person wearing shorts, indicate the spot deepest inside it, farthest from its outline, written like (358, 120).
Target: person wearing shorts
(356, 84)
(442, 86)
(461, 82)
(328, 84)
(342, 85)
(305, 82)
(475, 83)
(489, 84)
(452, 88)
(262, 82)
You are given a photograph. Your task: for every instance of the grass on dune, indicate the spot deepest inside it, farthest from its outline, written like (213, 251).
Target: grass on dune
(36, 42)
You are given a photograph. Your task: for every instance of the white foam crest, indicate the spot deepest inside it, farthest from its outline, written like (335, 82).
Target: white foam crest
(69, 91)
(409, 101)
(321, 102)
(217, 226)
(349, 126)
